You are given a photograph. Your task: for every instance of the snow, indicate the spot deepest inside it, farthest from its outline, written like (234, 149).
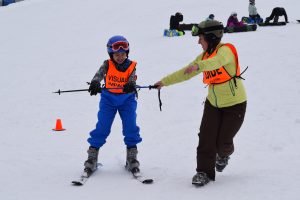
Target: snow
(59, 44)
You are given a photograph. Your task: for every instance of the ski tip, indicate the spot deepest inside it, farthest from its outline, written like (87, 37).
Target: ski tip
(147, 181)
(99, 165)
(76, 183)
(198, 184)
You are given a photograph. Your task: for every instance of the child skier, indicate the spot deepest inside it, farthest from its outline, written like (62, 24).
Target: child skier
(117, 72)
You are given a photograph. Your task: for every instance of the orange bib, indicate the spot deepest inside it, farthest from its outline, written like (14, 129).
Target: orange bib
(220, 75)
(117, 79)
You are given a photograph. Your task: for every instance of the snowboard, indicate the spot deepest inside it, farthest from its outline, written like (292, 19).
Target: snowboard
(246, 28)
(272, 24)
(172, 33)
(7, 2)
(186, 27)
(249, 20)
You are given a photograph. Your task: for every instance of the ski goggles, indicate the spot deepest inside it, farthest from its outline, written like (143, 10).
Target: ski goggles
(118, 45)
(196, 30)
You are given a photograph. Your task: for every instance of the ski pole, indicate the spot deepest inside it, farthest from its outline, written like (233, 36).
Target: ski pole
(64, 91)
(82, 90)
(103, 88)
(149, 87)
(153, 87)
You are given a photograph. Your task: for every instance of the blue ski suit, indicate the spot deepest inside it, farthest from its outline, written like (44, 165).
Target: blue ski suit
(110, 104)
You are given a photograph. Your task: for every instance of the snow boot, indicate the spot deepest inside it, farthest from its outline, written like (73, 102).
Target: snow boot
(132, 164)
(200, 179)
(90, 164)
(221, 162)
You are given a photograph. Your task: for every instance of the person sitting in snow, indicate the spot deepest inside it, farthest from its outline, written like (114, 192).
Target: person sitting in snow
(175, 21)
(210, 17)
(253, 15)
(117, 72)
(233, 21)
(276, 13)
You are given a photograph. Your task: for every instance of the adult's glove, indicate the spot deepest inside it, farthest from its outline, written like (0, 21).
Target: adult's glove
(129, 87)
(95, 88)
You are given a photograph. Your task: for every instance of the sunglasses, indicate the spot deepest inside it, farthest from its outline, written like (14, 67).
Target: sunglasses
(118, 45)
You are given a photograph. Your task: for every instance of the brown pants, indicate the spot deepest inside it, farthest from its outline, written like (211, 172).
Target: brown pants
(218, 127)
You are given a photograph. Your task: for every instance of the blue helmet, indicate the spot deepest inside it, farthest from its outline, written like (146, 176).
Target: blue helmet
(117, 44)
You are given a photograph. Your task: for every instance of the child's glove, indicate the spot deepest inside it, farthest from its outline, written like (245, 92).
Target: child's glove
(129, 87)
(95, 88)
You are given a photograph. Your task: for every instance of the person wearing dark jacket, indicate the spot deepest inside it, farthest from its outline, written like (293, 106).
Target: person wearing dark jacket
(276, 13)
(175, 20)
(175, 23)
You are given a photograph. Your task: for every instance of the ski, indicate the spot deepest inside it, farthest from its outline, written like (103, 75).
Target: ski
(84, 177)
(138, 176)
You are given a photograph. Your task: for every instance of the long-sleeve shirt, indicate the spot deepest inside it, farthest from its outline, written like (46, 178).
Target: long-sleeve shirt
(219, 95)
(102, 71)
(252, 9)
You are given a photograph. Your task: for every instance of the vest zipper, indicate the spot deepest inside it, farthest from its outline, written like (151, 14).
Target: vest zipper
(232, 87)
(216, 101)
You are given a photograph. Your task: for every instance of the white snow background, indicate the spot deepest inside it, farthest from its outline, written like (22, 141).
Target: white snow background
(46, 45)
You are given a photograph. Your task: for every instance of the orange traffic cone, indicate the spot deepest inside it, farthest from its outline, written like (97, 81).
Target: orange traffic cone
(58, 126)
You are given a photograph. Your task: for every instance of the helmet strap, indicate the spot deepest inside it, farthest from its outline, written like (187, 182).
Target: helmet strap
(212, 28)
(212, 41)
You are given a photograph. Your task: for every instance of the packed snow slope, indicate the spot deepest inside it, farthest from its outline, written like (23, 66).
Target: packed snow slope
(46, 45)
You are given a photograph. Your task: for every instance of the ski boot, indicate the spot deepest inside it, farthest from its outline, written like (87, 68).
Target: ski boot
(200, 179)
(221, 162)
(90, 165)
(132, 164)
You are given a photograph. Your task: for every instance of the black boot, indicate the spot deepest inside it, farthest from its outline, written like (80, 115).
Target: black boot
(221, 162)
(132, 164)
(200, 179)
(90, 164)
